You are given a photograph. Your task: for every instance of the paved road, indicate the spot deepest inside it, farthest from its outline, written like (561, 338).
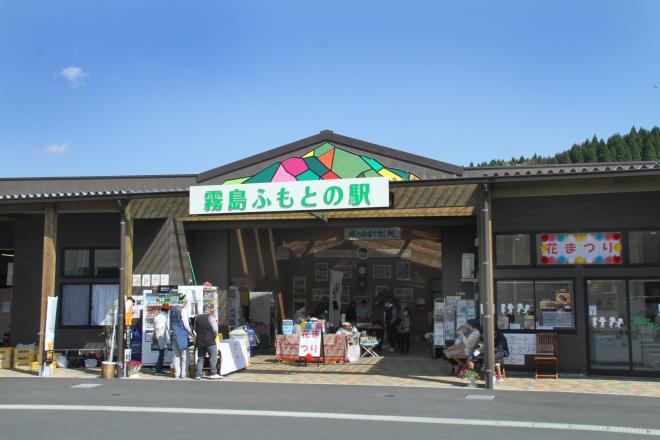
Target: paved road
(54, 410)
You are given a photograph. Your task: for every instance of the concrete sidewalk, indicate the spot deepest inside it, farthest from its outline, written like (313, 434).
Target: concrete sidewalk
(395, 371)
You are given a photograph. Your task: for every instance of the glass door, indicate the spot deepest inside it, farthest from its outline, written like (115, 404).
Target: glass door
(645, 325)
(609, 345)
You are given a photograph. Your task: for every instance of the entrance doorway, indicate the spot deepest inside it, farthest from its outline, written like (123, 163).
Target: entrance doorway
(624, 326)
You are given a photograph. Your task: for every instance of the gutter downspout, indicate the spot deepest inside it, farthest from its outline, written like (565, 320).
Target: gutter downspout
(122, 281)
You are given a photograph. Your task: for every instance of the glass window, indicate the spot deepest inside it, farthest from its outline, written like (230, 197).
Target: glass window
(75, 304)
(554, 304)
(608, 333)
(644, 247)
(515, 305)
(540, 305)
(76, 262)
(106, 263)
(512, 250)
(645, 324)
(104, 299)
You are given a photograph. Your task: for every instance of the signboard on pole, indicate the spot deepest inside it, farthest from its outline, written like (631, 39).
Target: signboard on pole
(51, 313)
(310, 343)
(335, 297)
(311, 195)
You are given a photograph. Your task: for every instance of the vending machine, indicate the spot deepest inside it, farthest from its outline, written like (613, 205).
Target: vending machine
(196, 298)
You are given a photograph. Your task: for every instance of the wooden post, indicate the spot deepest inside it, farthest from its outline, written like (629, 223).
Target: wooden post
(281, 302)
(241, 248)
(128, 252)
(272, 252)
(48, 270)
(260, 256)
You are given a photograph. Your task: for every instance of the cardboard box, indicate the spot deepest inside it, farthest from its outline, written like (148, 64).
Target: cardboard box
(25, 350)
(6, 351)
(5, 364)
(22, 365)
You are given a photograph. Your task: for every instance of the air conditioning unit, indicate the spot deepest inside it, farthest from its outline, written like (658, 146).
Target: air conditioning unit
(467, 267)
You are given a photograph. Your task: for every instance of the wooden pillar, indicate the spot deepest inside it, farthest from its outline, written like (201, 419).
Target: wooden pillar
(48, 271)
(260, 256)
(271, 242)
(241, 249)
(128, 253)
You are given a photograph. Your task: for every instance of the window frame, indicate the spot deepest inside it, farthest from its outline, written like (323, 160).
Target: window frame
(89, 308)
(533, 280)
(532, 251)
(92, 263)
(628, 250)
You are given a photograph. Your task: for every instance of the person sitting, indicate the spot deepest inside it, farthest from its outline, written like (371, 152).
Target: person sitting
(468, 338)
(501, 352)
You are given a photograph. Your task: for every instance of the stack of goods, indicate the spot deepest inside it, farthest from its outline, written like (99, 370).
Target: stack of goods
(24, 357)
(5, 357)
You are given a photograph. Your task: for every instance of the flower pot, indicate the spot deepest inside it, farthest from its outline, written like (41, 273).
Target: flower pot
(108, 370)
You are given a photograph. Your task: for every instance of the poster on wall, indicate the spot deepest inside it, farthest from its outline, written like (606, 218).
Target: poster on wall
(321, 272)
(580, 248)
(299, 287)
(461, 313)
(450, 317)
(362, 307)
(403, 271)
(439, 322)
(382, 271)
(137, 280)
(146, 280)
(155, 280)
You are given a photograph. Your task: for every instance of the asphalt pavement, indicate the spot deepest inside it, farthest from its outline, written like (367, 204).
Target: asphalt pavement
(111, 409)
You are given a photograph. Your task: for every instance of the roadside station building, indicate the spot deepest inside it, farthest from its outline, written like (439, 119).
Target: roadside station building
(576, 248)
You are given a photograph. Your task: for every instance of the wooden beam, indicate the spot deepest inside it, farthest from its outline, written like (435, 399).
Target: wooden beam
(241, 249)
(260, 256)
(451, 211)
(48, 270)
(271, 243)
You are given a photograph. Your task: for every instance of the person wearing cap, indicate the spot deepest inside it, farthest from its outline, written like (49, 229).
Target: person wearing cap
(181, 335)
(206, 329)
(161, 335)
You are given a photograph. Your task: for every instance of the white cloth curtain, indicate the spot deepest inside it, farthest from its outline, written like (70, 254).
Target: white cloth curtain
(75, 304)
(76, 262)
(104, 302)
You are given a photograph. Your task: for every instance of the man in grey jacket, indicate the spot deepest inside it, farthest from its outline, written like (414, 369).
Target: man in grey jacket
(206, 328)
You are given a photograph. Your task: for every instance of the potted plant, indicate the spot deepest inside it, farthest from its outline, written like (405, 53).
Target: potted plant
(470, 375)
(133, 367)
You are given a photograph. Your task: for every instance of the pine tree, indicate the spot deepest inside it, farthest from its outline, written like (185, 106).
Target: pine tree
(622, 149)
(603, 152)
(634, 145)
(575, 154)
(591, 152)
(648, 151)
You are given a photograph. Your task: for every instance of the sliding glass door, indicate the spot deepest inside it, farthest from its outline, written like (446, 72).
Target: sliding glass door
(609, 345)
(645, 324)
(624, 325)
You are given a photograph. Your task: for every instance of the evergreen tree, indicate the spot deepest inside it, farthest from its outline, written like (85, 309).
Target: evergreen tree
(603, 152)
(648, 151)
(575, 154)
(622, 149)
(634, 145)
(591, 152)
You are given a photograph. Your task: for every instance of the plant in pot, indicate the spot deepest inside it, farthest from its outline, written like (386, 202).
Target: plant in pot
(471, 375)
(133, 367)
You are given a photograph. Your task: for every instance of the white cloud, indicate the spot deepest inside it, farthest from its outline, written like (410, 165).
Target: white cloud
(75, 75)
(57, 149)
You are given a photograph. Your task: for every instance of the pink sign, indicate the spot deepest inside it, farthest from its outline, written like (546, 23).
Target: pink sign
(581, 248)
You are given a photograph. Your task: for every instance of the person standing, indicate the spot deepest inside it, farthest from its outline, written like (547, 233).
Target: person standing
(403, 330)
(391, 321)
(181, 334)
(206, 329)
(161, 335)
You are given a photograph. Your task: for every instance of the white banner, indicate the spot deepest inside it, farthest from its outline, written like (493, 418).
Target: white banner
(51, 313)
(312, 195)
(310, 343)
(335, 297)
(234, 356)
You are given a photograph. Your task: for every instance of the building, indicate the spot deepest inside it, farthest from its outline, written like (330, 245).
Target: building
(576, 248)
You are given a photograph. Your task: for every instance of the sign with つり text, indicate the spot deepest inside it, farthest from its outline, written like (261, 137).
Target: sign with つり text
(312, 195)
(310, 343)
(580, 248)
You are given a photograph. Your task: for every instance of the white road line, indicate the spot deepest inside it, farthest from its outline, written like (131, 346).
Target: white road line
(333, 416)
(86, 385)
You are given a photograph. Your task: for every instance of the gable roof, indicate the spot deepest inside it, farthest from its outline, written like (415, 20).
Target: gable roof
(331, 137)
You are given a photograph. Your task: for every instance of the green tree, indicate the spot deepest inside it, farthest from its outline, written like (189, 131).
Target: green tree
(603, 152)
(634, 145)
(648, 150)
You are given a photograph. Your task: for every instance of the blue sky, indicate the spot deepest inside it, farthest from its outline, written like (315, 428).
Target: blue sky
(150, 87)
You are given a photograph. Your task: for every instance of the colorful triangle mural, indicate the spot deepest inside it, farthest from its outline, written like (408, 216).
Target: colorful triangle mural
(323, 163)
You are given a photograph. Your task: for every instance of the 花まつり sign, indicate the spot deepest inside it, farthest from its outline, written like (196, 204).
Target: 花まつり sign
(310, 344)
(580, 248)
(313, 195)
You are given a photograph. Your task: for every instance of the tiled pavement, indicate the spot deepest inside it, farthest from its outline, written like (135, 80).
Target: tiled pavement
(393, 371)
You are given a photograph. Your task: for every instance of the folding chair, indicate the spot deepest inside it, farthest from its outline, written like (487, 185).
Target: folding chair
(368, 348)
